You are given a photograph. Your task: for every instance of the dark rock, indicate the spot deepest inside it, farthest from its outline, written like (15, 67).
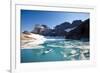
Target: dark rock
(60, 29)
(82, 31)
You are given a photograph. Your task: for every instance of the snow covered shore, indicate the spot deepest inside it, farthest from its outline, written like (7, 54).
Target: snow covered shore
(31, 40)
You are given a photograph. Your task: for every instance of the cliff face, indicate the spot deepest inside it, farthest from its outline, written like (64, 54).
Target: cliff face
(60, 30)
(81, 31)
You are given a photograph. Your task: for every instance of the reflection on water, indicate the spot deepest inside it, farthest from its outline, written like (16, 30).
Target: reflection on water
(57, 50)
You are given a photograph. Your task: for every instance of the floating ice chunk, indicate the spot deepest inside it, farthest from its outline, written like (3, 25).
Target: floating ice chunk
(56, 46)
(64, 54)
(47, 51)
(73, 52)
(84, 54)
(83, 47)
(68, 46)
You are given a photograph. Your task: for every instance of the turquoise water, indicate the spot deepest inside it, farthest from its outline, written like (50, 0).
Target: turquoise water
(56, 50)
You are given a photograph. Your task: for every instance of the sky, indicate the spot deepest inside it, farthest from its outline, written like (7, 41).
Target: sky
(50, 18)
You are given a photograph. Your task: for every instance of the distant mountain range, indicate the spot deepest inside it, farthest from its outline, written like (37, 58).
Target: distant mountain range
(76, 30)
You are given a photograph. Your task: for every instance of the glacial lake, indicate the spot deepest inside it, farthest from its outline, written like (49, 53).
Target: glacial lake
(57, 50)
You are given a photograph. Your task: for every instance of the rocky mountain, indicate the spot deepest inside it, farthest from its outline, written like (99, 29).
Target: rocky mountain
(75, 30)
(66, 25)
(82, 31)
(63, 28)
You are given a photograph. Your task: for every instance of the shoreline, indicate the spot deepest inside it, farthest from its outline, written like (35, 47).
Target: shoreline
(35, 41)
